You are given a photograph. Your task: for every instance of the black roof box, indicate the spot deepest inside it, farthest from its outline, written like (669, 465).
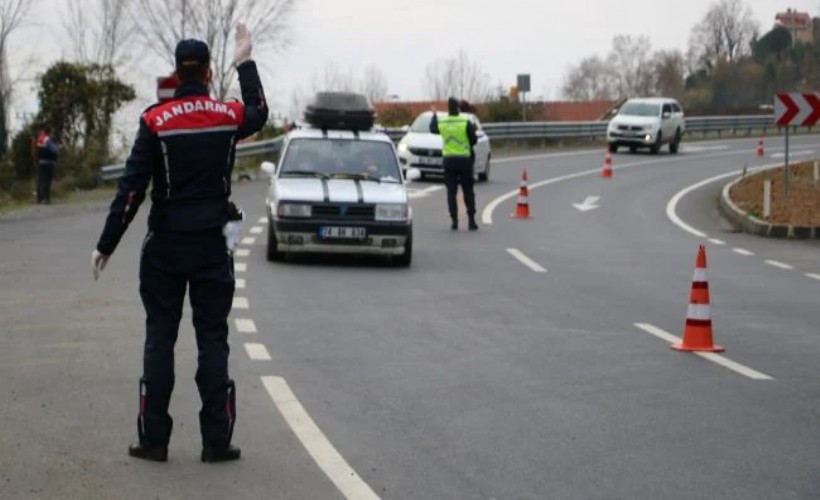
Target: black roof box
(340, 111)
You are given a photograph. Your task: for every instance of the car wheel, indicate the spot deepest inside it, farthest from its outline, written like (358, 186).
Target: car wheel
(674, 146)
(656, 148)
(485, 176)
(406, 258)
(273, 253)
(613, 148)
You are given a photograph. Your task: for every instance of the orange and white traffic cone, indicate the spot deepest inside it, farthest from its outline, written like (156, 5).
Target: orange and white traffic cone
(698, 333)
(606, 173)
(760, 151)
(522, 208)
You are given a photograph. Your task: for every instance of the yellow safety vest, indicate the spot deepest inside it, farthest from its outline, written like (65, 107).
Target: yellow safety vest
(453, 130)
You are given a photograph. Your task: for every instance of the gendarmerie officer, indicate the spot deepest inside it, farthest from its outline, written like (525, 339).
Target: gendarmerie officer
(186, 148)
(458, 136)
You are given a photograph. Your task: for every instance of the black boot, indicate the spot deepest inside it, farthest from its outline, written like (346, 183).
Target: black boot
(472, 225)
(153, 452)
(454, 223)
(213, 455)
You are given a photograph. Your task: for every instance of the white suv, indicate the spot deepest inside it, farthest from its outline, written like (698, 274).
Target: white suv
(647, 123)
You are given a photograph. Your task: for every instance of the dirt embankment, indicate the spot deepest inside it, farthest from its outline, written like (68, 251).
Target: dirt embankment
(801, 208)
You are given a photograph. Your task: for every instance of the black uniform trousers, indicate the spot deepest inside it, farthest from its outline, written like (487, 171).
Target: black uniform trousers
(458, 171)
(171, 261)
(45, 175)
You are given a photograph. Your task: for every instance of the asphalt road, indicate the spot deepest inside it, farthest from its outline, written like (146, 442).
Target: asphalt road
(468, 375)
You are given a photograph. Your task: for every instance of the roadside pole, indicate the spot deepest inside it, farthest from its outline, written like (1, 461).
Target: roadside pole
(786, 167)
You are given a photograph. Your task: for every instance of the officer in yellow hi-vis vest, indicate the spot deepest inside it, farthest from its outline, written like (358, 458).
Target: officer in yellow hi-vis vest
(458, 136)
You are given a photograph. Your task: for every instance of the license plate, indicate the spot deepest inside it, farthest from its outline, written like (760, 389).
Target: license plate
(432, 161)
(342, 233)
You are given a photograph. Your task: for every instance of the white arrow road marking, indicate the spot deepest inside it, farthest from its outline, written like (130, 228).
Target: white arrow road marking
(714, 358)
(590, 203)
(534, 266)
(332, 463)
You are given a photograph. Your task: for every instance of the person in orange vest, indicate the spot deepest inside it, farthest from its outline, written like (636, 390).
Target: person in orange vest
(47, 152)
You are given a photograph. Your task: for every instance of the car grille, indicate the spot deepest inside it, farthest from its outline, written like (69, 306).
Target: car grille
(632, 128)
(425, 152)
(341, 211)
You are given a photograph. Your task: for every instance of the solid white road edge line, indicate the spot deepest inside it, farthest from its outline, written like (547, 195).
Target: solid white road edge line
(711, 356)
(332, 463)
(256, 230)
(245, 325)
(672, 206)
(743, 251)
(781, 265)
(257, 352)
(487, 213)
(534, 266)
(240, 283)
(242, 252)
(240, 303)
(248, 241)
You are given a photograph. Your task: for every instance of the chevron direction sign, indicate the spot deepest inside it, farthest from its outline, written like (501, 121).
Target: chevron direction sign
(795, 109)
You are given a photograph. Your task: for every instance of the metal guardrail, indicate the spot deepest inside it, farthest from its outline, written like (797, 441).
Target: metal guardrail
(525, 131)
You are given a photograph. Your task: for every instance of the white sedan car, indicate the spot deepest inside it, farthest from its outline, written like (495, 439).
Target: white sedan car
(422, 150)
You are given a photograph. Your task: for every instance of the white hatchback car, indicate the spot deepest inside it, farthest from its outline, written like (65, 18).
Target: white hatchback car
(422, 150)
(338, 190)
(647, 123)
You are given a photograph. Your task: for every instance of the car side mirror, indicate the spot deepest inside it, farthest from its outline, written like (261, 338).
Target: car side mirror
(412, 174)
(269, 168)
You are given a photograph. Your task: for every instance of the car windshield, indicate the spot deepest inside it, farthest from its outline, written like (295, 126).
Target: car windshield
(341, 159)
(422, 123)
(640, 109)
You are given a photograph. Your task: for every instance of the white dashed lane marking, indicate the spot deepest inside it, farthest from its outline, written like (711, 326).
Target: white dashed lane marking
(742, 251)
(242, 252)
(257, 352)
(245, 325)
(262, 220)
(332, 463)
(240, 303)
(714, 358)
(534, 266)
(256, 230)
(813, 276)
(240, 267)
(240, 283)
(716, 241)
(248, 241)
(781, 265)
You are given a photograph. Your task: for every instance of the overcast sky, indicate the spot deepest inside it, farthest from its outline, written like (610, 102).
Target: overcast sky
(540, 37)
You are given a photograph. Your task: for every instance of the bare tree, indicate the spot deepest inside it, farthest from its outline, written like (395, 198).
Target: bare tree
(100, 33)
(593, 79)
(630, 58)
(12, 13)
(457, 77)
(162, 23)
(724, 33)
(333, 79)
(373, 84)
(670, 71)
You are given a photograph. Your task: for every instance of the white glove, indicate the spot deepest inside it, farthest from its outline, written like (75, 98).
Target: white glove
(232, 232)
(242, 48)
(98, 262)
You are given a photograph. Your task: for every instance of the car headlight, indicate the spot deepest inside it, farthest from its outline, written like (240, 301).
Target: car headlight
(294, 210)
(403, 147)
(391, 212)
